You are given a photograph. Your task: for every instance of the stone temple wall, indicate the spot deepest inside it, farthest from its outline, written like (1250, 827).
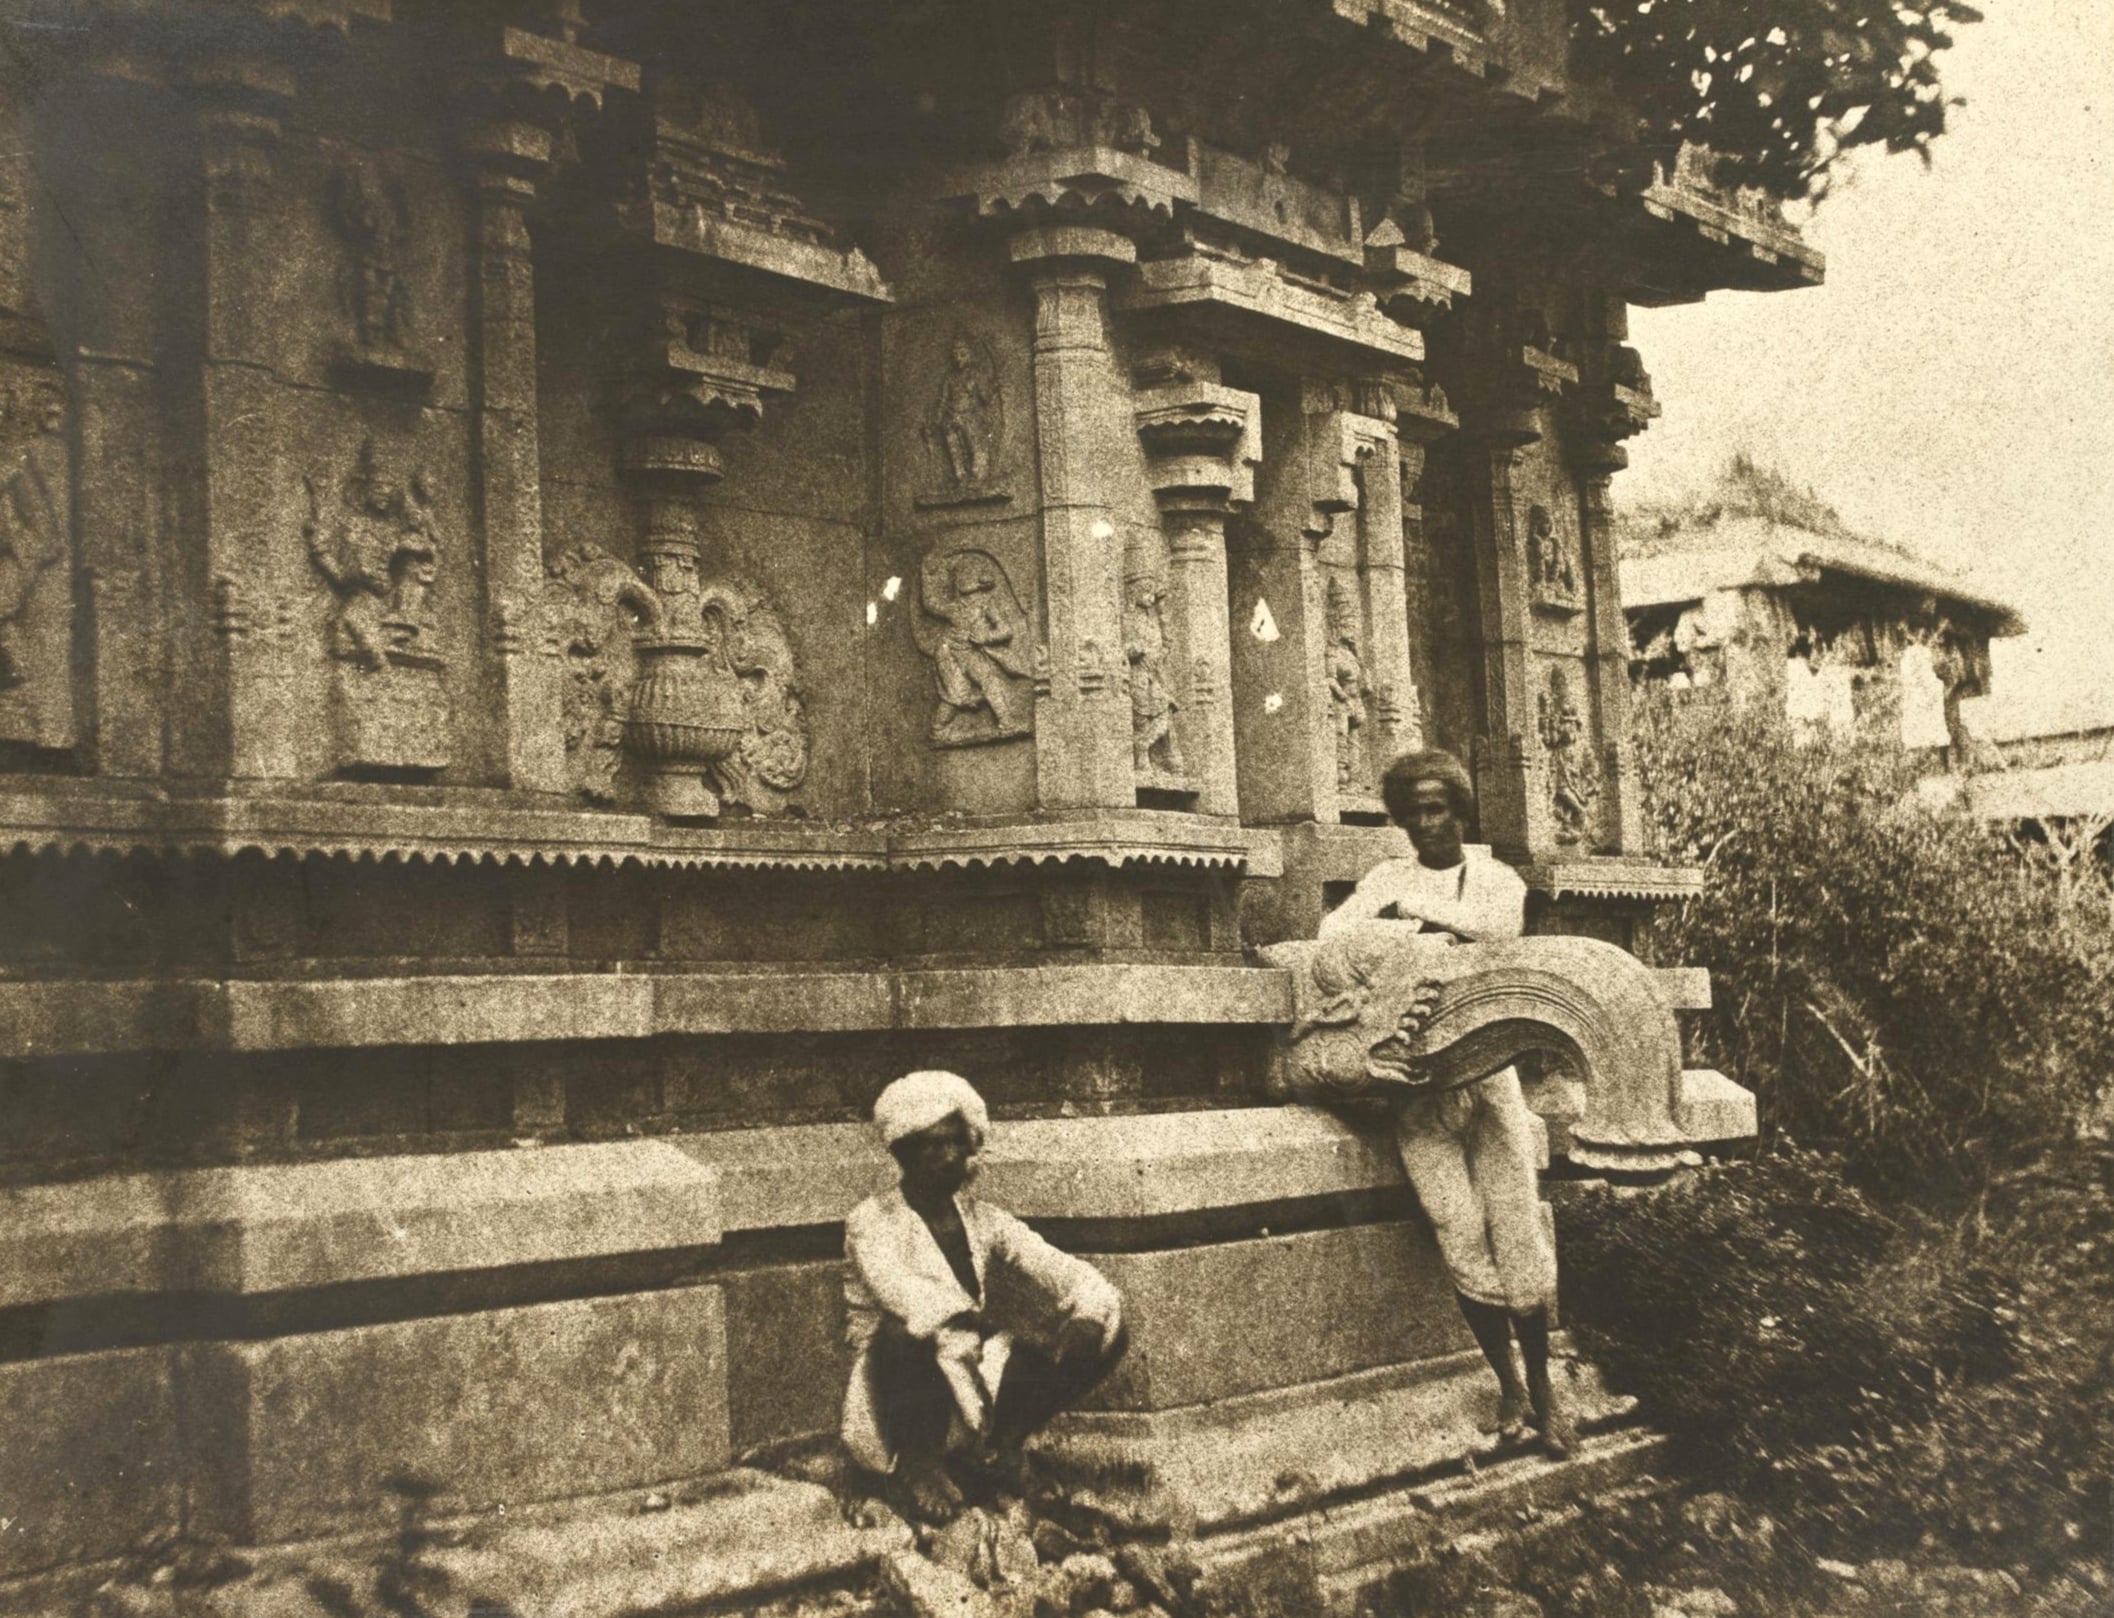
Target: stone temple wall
(619, 574)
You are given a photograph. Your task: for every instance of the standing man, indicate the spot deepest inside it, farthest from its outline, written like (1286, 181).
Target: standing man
(971, 1331)
(1470, 1152)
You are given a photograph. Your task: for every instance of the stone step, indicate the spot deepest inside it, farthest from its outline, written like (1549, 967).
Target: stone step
(732, 1543)
(1350, 1546)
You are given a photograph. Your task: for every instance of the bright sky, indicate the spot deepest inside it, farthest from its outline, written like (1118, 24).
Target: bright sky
(1951, 387)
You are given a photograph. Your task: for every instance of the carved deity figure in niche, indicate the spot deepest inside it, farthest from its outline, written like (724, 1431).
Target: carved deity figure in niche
(1349, 690)
(1155, 749)
(962, 434)
(372, 215)
(380, 555)
(36, 585)
(973, 629)
(35, 507)
(1550, 565)
(1574, 782)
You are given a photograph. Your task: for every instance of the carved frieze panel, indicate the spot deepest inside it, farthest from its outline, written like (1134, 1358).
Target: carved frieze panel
(1150, 665)
(966, 459)
(375, 545)
(1571, 764)
(1349, 687)
(369, 209)
(685, 690)
(972, 626)
(1555, 568)
(36, 557)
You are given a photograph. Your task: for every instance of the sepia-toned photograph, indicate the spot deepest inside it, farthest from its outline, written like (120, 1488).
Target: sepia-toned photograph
(1056, 809)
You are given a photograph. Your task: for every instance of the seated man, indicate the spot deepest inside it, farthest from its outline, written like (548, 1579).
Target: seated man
(971, 1331)
(1470, 1152)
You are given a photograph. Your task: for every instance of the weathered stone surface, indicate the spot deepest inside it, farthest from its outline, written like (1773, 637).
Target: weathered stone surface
(87, 1456)
(929, 1590)
(1275, 1453)
(496, 1408)
(278, 1227)
(1235, 1318)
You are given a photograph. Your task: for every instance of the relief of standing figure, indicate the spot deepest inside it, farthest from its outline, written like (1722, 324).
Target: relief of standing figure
(963, 433)
(1155, 748)
(1349, 689)
(977, 637)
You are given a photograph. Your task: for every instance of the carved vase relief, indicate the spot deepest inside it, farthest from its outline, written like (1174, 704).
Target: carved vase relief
(36, 548)
(1573, 774)
(378, 551)
(372, 216)
(971, 624)
(1552, 562)
(1156, 749)
(1350, 691)
(693, 682)
(964, 430)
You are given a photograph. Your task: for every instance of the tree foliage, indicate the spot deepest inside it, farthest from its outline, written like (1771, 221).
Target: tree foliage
(1778, 93)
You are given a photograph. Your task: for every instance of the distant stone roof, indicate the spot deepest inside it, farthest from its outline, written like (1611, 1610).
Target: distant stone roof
(1755, 527)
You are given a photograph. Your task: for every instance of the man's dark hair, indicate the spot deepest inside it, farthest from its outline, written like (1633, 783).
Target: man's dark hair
(1399, 785)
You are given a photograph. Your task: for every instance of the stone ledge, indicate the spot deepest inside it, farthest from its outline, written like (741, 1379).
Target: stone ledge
(1137, 1167)
(275, 1228)
(214, 1014)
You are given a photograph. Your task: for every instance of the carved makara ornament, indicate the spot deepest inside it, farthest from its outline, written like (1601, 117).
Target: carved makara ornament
(972, 626)
(378, 550)
(1349, 688)
(1574, 779)
(36, 545)
(696, 682)
(1156, 750)
(1360, 1001)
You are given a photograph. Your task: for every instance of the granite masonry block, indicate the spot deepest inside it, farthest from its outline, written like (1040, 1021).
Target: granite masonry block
(488, 1409)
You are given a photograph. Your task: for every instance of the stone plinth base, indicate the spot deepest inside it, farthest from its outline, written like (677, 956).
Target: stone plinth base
(1262, 1456)
(87, 1456)
(310, 1433)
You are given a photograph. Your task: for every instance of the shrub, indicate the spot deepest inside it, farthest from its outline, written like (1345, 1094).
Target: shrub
(1874, 1381)
(1889, 978)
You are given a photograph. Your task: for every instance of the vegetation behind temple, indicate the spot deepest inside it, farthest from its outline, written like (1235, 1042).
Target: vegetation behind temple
(1897, 1355)
(1890, 980)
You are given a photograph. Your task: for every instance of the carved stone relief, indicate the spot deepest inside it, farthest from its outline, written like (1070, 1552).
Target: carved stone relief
(36, 549)
(1573, 774)
(1552, 562)
(971, 624)
(378, 551)
(1350, 690)
(1156, 749)
(1059, 118)
(693, 681)
(371, 213)
(964, 429)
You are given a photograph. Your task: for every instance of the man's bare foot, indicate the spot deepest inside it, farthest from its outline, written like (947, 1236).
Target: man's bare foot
(924, 1491)
(1512, 1414)
(1552, 1414)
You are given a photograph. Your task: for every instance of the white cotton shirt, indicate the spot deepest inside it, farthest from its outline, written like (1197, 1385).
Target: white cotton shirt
(896, 1268)
(1482, 895)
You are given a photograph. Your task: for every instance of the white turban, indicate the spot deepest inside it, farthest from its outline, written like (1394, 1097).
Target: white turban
(917, 1101)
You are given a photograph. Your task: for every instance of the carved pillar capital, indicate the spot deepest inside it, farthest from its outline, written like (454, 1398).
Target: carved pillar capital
(1202, 444)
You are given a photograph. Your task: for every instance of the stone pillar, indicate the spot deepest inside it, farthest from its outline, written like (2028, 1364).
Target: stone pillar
(1614, 403)
(1202, 442)
(1397, 714)
(506, 156)
(238, 549)
(1083, 714)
